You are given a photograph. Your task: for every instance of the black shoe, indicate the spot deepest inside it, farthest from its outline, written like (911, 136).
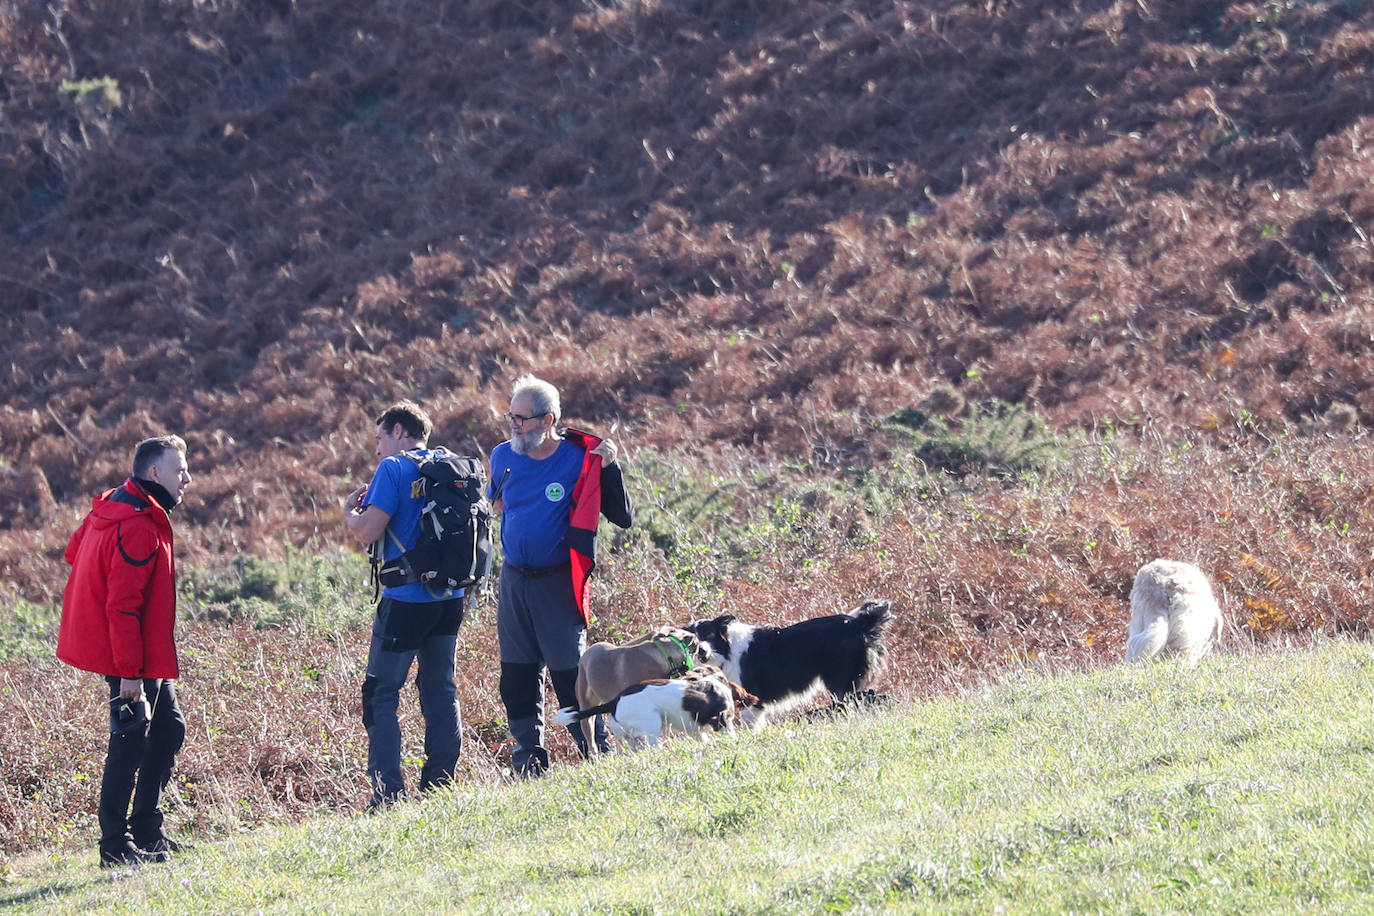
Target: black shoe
(530, 764)
(384, 803)
(130, 856)
(532, 769)
(434, 785)
(165, 844)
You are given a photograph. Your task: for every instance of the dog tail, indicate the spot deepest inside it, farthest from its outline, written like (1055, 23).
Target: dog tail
(1149, 642)
(873, 618)
(571, 714)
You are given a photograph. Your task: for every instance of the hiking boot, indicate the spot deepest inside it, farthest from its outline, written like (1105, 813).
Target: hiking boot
(130, 856)
(530, 764)
(380, 804)
(533, 768)
(165, 844)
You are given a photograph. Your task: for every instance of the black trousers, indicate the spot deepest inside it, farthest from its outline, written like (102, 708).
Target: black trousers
(138, 765)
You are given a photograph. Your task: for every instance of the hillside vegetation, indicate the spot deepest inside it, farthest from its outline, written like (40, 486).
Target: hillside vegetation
(1241, 787)
(974, 306)
(761, 223)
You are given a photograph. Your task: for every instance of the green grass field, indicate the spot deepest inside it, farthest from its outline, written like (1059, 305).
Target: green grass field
(1244, 786)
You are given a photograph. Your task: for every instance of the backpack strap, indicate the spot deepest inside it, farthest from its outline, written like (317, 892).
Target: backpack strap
(378, 549)
(402, 562)
(499, 487)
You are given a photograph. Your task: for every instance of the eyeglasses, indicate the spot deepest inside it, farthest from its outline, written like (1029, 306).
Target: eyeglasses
(515, 417)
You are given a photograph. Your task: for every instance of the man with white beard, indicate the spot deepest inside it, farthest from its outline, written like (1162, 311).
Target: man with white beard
(548, 487)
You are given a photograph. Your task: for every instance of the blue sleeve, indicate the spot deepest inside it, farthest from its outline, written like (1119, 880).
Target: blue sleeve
(383, 492)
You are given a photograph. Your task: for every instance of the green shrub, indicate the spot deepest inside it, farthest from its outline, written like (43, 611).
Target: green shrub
(323, 589)
(744, 514)
(28, 631)
(1000, 440)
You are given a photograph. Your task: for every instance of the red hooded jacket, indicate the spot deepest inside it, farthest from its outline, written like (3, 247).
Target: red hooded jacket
(586, 512)
(119, 607)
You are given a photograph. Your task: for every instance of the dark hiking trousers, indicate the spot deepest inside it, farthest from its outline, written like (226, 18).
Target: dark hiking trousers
(405, 634)
(138, 764)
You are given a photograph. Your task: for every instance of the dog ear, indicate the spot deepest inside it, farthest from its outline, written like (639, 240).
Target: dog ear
(722, 623)
(742, 696)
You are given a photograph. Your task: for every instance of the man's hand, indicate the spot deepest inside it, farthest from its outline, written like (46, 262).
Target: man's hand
(606, 450)
(366, 523)
(354, 503)
(131, 688)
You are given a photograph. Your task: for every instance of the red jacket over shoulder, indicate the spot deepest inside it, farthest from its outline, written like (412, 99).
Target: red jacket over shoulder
(586, 512)
(119, 608)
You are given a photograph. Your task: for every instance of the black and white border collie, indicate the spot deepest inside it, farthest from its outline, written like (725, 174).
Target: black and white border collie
(784, 666)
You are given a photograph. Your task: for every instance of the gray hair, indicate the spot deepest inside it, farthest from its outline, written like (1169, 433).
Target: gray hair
(543, 396)
(149, 451)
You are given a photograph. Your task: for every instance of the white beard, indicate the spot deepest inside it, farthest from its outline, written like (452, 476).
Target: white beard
(524, 443)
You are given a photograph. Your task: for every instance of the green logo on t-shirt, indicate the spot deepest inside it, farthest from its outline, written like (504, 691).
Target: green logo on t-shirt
(553, 492)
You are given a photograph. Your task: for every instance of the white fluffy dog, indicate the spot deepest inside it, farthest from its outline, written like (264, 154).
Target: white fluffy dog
(1173, 610)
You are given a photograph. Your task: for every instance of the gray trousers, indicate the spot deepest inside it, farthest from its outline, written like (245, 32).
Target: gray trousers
(538, 626)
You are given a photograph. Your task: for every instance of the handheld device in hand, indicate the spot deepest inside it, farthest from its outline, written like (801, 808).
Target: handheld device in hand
(127, 715)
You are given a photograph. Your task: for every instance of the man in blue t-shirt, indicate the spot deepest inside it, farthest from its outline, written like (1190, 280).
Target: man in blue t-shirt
(539, 621)
(413, 623)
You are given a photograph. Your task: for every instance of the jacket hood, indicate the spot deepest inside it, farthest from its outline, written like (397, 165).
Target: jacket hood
(124, 502)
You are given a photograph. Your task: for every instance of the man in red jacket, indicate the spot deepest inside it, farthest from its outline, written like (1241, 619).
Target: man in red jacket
(118, 613)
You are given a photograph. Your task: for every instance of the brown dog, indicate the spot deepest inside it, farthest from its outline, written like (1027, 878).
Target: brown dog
(748, 709)
(607, 669)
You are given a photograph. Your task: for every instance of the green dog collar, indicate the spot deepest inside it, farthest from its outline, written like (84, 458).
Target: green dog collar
(686, 665)
(686, 656)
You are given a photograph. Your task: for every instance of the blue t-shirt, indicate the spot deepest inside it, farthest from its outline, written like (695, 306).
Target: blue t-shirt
(536, 502)
(395, 489)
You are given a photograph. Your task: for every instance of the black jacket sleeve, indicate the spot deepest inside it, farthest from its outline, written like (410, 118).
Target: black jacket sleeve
(615, 502)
